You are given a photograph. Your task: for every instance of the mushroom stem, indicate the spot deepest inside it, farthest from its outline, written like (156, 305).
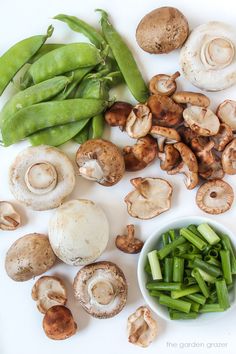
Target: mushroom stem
(139, 331)
(130, 232)
(172, 78)
(41, 177)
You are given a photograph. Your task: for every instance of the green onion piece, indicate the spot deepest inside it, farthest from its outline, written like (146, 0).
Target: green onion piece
(194, 305)
(168, 270)
(155, 293)
(226, 267)
(176, 315)
(212, 260)
(155, 265)
(181, 249)
(213, 252)
(192, 238)
(192, 249)
(211, 308)
(147, 268)
(178, 270)
(209, 234)
(218, 246)
(172, 234)
(194, 230)
(154, 285)
(189, 264)
(213, 297)
(206, 276)
(209, 268)
(201, 282)
(189, 281)
(200, 299)
(175, 294)
(222, 294)
(163, 252)
(179, 305)
(228, 247)
(190, 256)
(207, 249)
(165, 239)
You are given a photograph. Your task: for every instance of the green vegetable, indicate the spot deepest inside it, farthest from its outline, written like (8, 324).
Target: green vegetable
(212, 260)
(175, 315)
(46, 48)
(97, 127)
(189, 281)
(192, 238)
(194, 230)
(228, 247)
(155, 265)
(201, 282)
(168, 269)
(158, 285)
(83, 135)
(206, 276)
(179, 305)
(178, 269)
(209, 268)
(175, 294)
(225, 261)
(163, 252)
(211, 308)
(165, 239)
(200, 299)
(209, 234)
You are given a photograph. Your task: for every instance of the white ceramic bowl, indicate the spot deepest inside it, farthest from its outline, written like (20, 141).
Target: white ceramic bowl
(154, 241)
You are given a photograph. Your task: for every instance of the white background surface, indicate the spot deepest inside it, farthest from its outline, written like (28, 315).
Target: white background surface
(20, 322)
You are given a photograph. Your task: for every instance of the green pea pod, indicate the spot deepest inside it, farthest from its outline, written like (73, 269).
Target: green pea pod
(83, 135)
(80, 26)
(97, 126)
(32, 95)
(48, 114)
(114, 78)
(125, 60)
(18, 55)
(46, 48)
(59, 61)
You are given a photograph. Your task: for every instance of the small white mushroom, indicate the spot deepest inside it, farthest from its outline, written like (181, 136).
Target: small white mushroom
(139, 121)
(226, 112)
(201, 120)
(41, 177)
(49, 291)
(151, 197)
(208, 56)
(9, 218)
(142, 328)
(164, 135)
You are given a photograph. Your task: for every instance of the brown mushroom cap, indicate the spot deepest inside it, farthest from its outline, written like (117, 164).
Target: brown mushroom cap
(101, 289)
(201, 120)
(226, 112)
(58, 323)
(164, 135)
(211, 171)
(193, 98)
(215, 197)
(163, 84)
(48, 291)
(9, 218)
(202, 148)
(101, 161)
(229, 158)
(165, 111)
(223, 137)
(139, 121)
(128, 243)
(169, 158)
(117, 114)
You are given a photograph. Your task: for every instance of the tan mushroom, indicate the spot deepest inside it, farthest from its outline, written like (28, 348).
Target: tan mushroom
(211, 171)
(188, 166)
(58, 323)
(139, 121)
(201, 120)
(165, 111)
(151, 197)
(169, 158)
(101, 289)
(49, 291)
(163, 84)
(186, 134)
(117, 114)
(193, 98)
(223, 137)
(9, 218)
(128, 243)
(202, 148)
(226, 112)
(215, 197)
(101, 161)
(41, 177)
(164, 136)
(229, 158)
(141, 154)
(142, 328)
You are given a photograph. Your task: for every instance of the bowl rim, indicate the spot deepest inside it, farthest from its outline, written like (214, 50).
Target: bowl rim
(157, 233)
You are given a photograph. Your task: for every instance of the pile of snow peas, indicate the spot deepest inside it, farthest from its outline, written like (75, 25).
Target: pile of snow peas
(65, 89)
(193, 272)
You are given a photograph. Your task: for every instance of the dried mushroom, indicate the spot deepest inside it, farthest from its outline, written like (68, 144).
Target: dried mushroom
(201, 120)
(49, 291)
(165, 111)
(101, 161)
(186, 134)
(169, 158)
(141, 154)
(101, 289)
(202, 148)
(9, 218)
(211, 171)
(117, 114)
(163, 84)
(164, 135)
(58, 323)
(128, 243)
(142, 328)
(151, 197)
(41, 177)
(139, 121)
(229, 158)
(215, 197)
(223, 137)
(193, 98)
(226, 112)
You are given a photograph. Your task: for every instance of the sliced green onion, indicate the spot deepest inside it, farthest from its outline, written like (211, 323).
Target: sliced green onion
(212, 260)
(155, 293)
(209, 268)
(201, 282)
(168, 269)
(178, 270)
(208, 233)
(172, 234)
(194, 305)
(176, 294)
(211, 308)
(165, 239)
(225, 261)
(228, 247)
(189, 281)
(194, 230)
(179, 305)
(176, 315)
(163, 252)
(206, 276)
(155, 265)
(194, 239)
(154, 285)
(222, 294)
(200, 299)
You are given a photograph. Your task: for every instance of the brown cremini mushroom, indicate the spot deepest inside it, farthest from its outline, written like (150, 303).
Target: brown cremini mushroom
(188, 166)
(58, 323)
(229, 158)
(101, 161)
(48, 291)
(169, 158)
(223, 137)
(165, 111)
(151, 197)
(193, 98)
(202, 148)
(163, 84)
(142, 328)
(164, 135)
(226, 112)
(117, 114)
(215, 197)
(9, 218)
(211, 171)
(201, 120)
(139, 121)
(128, 243)
(186, 134)
(101, 289)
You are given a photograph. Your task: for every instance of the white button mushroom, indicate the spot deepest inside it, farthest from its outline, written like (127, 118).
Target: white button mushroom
(41, 177)
(78, 232)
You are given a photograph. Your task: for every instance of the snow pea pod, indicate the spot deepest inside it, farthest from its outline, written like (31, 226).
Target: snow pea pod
(125, 60)
(46, 48)
(97, 126)
(18, 55)
(48, 114)
(83, 135)
(59, 61)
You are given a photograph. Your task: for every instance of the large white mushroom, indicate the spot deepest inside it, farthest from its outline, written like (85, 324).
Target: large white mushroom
(208, 58)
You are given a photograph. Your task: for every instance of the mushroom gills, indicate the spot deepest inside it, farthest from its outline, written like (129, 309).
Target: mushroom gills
(41, 177)
(92, 170)
(217, 53)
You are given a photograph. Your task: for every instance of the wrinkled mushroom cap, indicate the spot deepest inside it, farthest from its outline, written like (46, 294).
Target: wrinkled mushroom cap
(193, 98)
(139, 121)
(226, 112)
(101, 161)
(78, 232)
(207, 58)
(48, 291)
(117, 114)
(169, 158)
(215, 197)
(201, 120)
(164, 135)
(101, 289)
(41, 177)
(9, 218)
(163, 84)
(229, 158)
(151, 197)
(223, 137)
